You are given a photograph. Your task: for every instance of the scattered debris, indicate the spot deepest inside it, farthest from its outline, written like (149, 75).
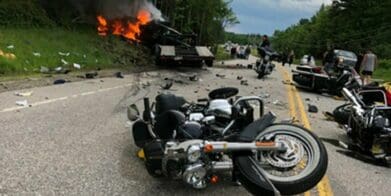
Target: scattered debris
(329, 116)
(58, 69)
(278, 103)
(64, 62)
(167, 85)
(91, 75)
(194, 78)
(339, 98)
(287, 82)
(145, 84)
(44, 69)
(312, 108)
(37, 54)
(264, 95)
(308, 99)
(23, 103)
(250, 66)
(10, 47)
(220, 76)
(24, 94)
(244, 83)
(179, 81)
(77, 66)
(118, 75)
(239, 77)
(64, 54)
(59, 81)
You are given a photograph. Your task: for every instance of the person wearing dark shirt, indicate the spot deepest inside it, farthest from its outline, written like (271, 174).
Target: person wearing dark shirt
(265, 41)
(329, 61)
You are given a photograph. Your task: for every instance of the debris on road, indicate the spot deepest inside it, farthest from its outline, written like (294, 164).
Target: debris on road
(287, 82)
(249, 66)
(308, 99)
(329, 116)
(220, 76)
(240, 78)
(77, 66)
(167, 85)
(59, 81)
(23, 103)
(24, 94)
(312, 108)
(244, 82)
(119, 75)
(194, 78)
(91, 75)
(264, 95)
(278, 103)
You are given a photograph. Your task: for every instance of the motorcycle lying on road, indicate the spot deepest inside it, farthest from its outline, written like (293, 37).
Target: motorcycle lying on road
(194, 142)
(368, 121)
(264, 65)
(316, 79)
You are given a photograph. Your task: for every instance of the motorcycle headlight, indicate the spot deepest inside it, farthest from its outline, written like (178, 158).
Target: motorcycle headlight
(194, 153)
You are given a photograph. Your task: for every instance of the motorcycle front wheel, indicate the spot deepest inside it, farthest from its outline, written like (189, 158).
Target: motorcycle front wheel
(301, 166)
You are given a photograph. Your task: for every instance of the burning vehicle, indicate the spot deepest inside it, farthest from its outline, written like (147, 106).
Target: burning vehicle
(169, 46)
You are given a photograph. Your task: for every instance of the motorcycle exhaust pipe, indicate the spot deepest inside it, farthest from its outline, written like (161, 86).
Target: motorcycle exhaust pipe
(222, 166)
(348, 95)
(231, 146)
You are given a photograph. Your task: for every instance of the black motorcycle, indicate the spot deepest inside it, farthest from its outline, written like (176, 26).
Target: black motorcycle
(367, 119)
(316, 79)
(194, 142)
(264, 65)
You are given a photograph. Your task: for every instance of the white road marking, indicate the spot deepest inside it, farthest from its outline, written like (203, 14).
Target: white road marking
(64, 98)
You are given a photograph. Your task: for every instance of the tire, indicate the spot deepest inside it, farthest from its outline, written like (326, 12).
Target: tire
(209, 63)
(317, 163)
(342, 113)
(261, 75)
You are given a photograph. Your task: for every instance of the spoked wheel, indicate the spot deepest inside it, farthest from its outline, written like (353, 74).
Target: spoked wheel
(301, 166)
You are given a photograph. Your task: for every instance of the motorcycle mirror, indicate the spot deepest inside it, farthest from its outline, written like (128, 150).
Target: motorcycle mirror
(133, 112)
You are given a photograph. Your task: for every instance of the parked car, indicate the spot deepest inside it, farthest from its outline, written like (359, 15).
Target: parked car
(304, 60)
(345, 58)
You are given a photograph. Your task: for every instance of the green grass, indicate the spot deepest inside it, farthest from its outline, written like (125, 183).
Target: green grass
(84, 46)
(221, 54)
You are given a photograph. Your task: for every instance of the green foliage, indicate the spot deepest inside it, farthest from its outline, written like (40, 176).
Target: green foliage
(383, 70)
(221, 54)
(23, 13)
(85, 48)
(206, 18)
(243, 39)
(348, 24)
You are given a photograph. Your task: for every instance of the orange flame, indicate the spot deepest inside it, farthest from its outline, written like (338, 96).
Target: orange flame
(128, 29)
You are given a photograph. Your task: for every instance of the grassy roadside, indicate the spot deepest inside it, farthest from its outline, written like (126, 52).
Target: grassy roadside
(54, 47)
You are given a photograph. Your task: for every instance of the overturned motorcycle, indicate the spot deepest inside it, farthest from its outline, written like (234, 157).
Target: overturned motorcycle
(367, 119)
(194, 142)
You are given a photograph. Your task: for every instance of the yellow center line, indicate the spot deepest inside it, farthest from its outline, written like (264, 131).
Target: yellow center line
(324, 188)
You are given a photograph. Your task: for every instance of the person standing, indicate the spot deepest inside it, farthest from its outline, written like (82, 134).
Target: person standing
(329, 60)
(291, 57)
(368, 65)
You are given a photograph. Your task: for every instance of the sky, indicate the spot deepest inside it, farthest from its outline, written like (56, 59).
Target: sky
(266, 16)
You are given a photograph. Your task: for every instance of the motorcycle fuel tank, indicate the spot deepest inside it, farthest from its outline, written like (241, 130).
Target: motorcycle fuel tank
(220, 108)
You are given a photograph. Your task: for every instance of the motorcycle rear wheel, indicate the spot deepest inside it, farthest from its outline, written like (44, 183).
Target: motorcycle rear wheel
(315, 163)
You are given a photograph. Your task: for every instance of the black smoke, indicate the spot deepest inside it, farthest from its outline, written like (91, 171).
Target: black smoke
(87, 10)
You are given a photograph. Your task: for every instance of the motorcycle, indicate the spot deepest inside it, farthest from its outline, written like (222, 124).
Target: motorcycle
(368, 122)
(264, 65)
(316, 79)
(194, 142)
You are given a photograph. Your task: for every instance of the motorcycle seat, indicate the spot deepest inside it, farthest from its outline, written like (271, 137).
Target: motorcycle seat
(167, 122)
(166, 102)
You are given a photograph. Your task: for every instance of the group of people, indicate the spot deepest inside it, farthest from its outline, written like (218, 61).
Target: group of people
(240, 52)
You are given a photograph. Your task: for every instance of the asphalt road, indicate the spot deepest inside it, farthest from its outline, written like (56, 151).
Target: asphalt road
(74, 139)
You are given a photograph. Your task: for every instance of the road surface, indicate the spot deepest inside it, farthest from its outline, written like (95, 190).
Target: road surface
(74, 139)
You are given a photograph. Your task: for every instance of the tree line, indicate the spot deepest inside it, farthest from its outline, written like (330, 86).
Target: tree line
(208, 19)
(355, 25)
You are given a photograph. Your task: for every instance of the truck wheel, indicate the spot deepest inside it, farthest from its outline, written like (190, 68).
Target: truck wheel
(209, 63)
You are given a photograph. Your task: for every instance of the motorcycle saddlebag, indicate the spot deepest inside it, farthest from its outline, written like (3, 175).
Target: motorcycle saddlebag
(141, 134)
(154, 153)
